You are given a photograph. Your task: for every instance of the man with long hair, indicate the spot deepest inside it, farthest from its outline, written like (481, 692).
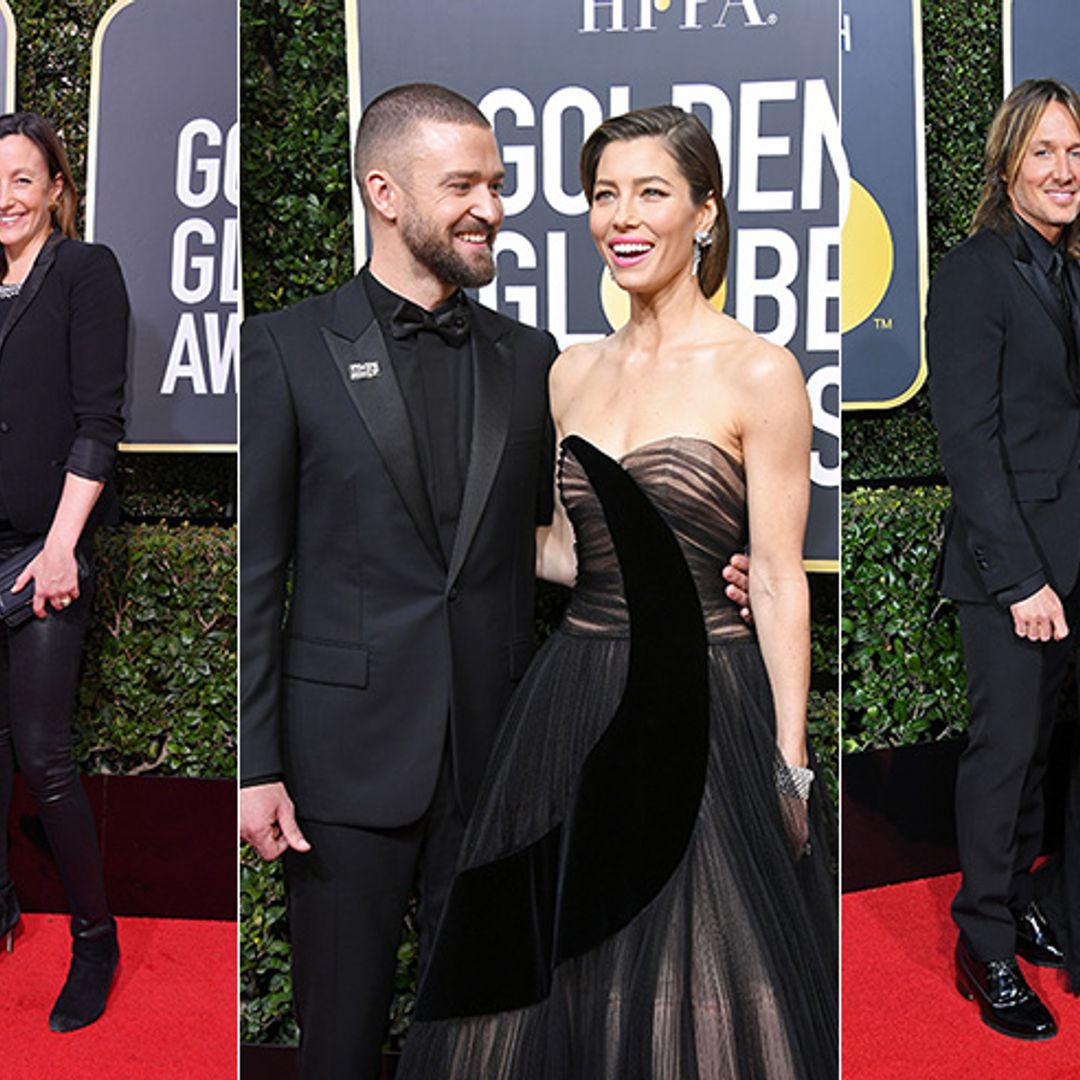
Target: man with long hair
(1003, 327)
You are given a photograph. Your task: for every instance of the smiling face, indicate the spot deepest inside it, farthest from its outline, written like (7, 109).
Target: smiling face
(26, 190)
(642, 217)
(451, 207)
(1045, 191)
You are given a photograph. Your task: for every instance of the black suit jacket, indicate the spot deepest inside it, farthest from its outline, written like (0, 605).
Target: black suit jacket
(1007, 413)
(63, 362)
(384, 641)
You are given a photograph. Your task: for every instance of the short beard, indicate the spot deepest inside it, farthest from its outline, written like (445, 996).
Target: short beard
(434, 252)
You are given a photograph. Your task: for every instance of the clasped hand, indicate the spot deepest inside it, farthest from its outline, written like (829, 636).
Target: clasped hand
(1041, 617)
(55, 574)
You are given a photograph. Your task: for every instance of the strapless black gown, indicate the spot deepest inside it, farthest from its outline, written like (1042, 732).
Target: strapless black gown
(628, 904)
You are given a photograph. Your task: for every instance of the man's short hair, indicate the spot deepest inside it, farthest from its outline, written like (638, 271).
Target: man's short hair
(389, 121)
(1010, 132)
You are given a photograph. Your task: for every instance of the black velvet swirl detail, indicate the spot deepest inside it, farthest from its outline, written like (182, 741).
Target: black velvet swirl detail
(510, 922)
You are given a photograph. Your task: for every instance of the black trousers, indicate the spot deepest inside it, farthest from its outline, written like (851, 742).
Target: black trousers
(39, 675)
(1013, 689)
(347, 898)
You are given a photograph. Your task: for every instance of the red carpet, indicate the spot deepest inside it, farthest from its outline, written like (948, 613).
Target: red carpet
(902, 1015)
(171, 1014)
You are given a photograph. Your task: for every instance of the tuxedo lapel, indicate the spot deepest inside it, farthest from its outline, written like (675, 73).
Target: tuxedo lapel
(372, 385)
(45, 258)
(1040, 286)
(493, 388)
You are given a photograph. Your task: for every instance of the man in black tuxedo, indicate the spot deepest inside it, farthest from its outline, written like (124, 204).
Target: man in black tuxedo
(396, 459)
(1003, 336)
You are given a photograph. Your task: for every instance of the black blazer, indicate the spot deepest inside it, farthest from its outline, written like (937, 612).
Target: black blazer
(384, 642)
(1007, 412)
(63, 362)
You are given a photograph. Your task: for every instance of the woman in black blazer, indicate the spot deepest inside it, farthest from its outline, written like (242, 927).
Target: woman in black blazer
(63, 351)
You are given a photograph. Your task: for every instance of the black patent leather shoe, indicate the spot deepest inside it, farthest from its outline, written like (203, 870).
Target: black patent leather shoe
(1035, 940)
(1006, 1002)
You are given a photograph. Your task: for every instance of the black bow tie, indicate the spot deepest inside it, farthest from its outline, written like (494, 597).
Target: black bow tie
(451, 324)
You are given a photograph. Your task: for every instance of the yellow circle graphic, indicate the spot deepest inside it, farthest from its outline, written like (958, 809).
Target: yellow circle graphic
(661, 5)
(616, 302)
(866, 253)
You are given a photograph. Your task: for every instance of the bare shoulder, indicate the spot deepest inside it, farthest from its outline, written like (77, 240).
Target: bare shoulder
(572, 365)
(764, 369)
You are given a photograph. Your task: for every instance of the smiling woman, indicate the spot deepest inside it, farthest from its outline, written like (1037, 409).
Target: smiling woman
(643, 889)
(28, 197)
(63, 358)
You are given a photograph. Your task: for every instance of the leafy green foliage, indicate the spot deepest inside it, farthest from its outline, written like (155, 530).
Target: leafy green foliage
(295, 169)
(962, 58)
(886, 446)
(903, 673)
(265, 980)
(178, 485)
(158, 693)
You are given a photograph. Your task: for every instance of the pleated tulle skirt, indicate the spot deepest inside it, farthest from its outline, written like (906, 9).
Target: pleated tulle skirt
(729, 971)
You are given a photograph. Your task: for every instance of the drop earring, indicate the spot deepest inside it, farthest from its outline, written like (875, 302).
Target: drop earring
(702, 239)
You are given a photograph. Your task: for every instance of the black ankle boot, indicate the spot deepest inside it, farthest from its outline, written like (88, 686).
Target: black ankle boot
(9, 913)
(95, 953)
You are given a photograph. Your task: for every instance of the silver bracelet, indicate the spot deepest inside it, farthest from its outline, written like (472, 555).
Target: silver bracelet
(793, 780)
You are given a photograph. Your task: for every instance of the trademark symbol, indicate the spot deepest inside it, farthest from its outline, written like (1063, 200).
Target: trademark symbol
(772, 19)
(881, 323)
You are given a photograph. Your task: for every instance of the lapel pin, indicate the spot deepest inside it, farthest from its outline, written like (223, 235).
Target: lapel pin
(367, 370)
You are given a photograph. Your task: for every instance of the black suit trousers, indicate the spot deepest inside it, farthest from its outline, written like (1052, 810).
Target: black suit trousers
(1013, 690)
(347, 900)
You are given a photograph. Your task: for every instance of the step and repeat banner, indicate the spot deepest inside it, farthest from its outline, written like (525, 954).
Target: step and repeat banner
(1041, 38)
(163, 193)
(884, 272)
(763, 75)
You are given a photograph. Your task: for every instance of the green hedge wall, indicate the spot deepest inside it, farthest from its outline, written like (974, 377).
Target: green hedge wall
(158, 694)
(158, 690)
(903, 672)
(297, 236)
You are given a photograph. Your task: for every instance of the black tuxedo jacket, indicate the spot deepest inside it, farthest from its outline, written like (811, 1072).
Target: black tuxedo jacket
(63, 362)
(1007, 412)
(385, 641)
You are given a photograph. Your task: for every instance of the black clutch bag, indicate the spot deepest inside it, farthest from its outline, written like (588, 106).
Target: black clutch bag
(16, 608)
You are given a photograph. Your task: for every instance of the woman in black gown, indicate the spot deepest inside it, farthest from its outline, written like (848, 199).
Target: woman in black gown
(63, 360)
(637, 897)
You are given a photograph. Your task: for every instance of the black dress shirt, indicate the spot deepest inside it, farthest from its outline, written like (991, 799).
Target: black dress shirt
(436, 381)
(1045, 255)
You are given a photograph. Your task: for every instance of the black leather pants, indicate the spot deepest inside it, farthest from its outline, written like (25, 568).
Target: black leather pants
(39, 674)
